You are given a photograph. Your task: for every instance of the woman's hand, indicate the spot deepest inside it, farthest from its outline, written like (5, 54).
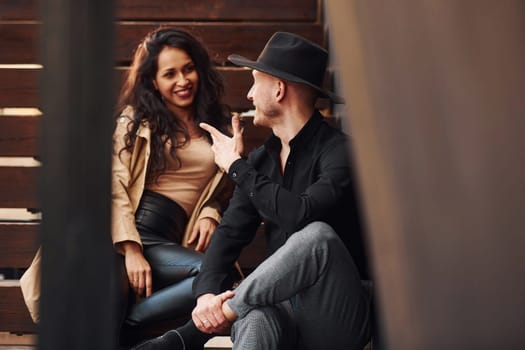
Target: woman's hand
(137, 268)
(203, 230)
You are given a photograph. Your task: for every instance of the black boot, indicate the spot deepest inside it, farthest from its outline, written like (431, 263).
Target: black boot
(171, 340)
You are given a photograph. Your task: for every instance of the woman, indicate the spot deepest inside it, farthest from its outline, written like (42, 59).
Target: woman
(167, 191)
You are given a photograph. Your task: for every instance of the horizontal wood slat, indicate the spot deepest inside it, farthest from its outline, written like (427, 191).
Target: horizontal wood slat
(18, 136)
(217, 10)
(237, 82)
(18, 187)
(14, 316)
(18, 244)
(19, 43)
(18, 10)
(20, 40)
(19, 87)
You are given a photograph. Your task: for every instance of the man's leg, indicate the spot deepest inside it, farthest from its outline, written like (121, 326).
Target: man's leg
(265, 328)
(313, 270)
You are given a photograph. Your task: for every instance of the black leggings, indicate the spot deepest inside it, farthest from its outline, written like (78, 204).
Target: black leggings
(161, 223)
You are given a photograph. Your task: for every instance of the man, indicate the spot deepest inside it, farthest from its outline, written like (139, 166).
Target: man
(307, 294)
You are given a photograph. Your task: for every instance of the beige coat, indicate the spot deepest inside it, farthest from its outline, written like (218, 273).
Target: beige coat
(129, 175)
(129, 178)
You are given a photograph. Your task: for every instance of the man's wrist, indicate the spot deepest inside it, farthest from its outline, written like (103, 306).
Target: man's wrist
(204, 297)
(233, 160)
(233, 170)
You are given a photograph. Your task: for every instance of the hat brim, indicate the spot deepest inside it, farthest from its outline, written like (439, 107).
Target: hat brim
(244, 62)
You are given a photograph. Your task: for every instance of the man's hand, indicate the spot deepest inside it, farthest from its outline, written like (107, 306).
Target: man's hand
(137, 269)
(227, 150)
(208, 315)
(202, 230)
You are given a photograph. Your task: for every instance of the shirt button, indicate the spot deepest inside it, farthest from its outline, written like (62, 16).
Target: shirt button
(251, 194)
(234, 174)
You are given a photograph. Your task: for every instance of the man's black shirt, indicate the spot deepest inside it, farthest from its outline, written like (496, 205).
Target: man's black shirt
(317, 185)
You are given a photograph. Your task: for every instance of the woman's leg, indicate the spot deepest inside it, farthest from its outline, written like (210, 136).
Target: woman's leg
(173, 270)
(170, 303)
(171, 263)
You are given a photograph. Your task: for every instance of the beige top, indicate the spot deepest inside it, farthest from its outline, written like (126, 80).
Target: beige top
(186, 175)
(129, 179)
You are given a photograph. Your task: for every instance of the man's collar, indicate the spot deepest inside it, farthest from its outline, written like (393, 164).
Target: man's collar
(308, 130)
(303, 136)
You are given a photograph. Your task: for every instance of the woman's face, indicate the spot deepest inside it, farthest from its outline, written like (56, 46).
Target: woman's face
(177, 79)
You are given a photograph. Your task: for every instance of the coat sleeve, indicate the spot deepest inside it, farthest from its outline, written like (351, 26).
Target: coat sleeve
(123, 217)
(219, 200)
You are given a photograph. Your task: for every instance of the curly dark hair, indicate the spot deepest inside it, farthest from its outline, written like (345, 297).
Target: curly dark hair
(139, 92)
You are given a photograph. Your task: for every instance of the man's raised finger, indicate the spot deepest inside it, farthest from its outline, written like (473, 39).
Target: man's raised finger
(236, 126)
(213, 132)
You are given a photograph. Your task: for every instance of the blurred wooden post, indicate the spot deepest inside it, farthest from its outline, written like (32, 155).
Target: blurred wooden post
(77, 99)
(436, 107)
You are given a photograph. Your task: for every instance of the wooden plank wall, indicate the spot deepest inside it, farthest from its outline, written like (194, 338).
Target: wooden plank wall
(225, 26)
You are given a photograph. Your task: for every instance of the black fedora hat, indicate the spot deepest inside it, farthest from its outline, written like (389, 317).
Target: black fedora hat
(291, 57)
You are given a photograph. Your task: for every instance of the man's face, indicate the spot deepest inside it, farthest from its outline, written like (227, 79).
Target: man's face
(263, 95)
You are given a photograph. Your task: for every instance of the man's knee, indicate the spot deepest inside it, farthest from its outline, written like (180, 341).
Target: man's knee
(255, 321)
(263, 316)
(265, 324)
(319, 229)
(317, 234)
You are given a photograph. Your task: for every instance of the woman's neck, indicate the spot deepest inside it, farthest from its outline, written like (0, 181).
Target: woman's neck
(185, 115)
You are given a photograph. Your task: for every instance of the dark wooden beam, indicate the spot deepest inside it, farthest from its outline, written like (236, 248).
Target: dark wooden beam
(78, 306)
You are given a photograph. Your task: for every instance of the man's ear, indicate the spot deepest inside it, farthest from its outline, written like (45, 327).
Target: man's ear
(280, 92)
